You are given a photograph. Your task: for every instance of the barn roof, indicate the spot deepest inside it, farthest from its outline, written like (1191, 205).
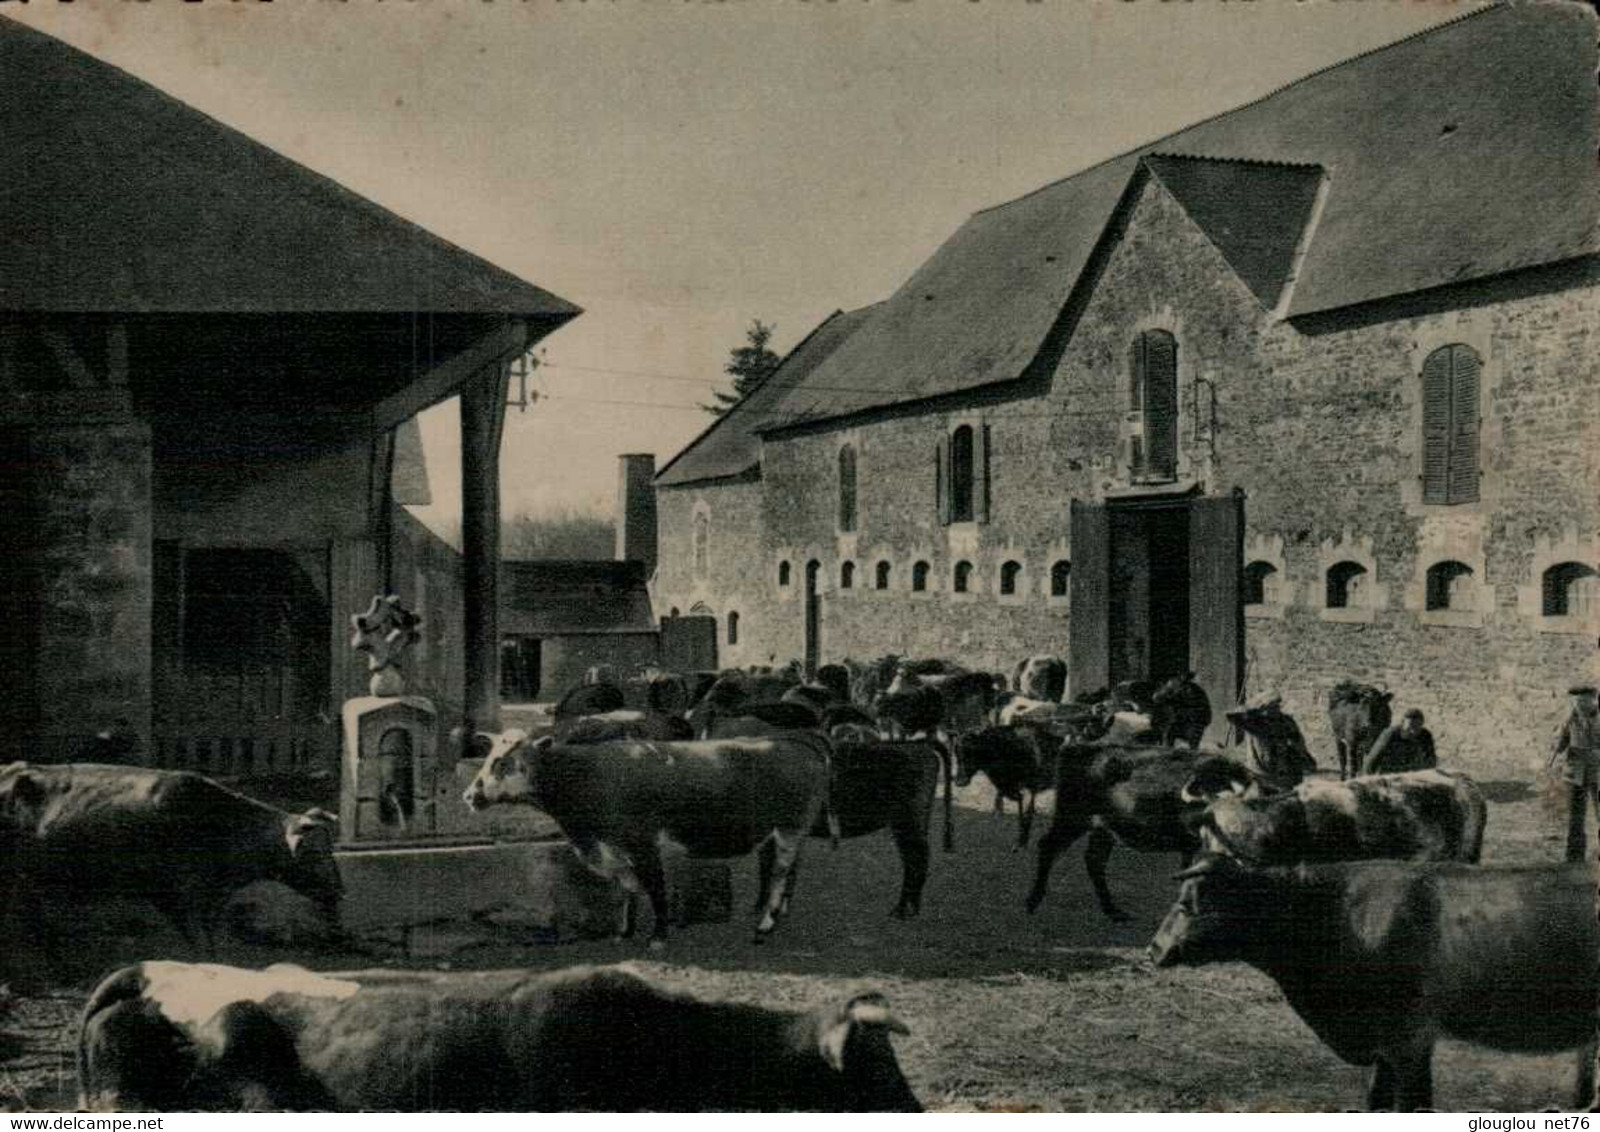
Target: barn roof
(730, 446)
(1254, 212)
(574, 597)
(1460, 152)
(117, 197)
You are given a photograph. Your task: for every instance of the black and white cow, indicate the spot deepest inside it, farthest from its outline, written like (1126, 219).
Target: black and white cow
(181, 1037)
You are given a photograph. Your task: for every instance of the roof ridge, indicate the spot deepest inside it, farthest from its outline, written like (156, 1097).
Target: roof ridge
(1145, 147)
(1233, 160)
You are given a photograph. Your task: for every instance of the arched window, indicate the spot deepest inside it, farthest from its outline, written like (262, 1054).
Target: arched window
(1009, 573)
(847, 575)
(919, 577)
(1450, 425)
(733, 627)
(1446, 583)
(702, 544)
(1060, 578)
(1153, 389)
(1571, 589)
(1345, 582)
(881, 576)
(963, 578)
(962, 475)
(1257, 580)
(847, 488)
(783, 573)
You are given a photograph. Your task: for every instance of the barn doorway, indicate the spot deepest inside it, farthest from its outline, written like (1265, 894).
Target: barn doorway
(1155, 593)
(813, 618)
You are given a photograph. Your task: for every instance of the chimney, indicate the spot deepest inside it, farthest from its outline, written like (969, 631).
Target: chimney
(636, 510)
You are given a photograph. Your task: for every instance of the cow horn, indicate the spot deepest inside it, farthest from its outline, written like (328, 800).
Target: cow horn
(1189, 794)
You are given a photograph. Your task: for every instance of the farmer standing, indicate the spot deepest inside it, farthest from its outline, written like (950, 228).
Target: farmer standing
(1579, 740)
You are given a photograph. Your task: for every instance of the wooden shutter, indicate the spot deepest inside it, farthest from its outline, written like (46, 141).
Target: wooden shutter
(1436, 421)
(941, 494)
(1216, 610)
(981, 503)
(1089, 635)
(1464, 374)
(1161, 404)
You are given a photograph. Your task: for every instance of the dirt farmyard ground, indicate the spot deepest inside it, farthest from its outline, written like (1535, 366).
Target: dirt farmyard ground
(1057, 1011)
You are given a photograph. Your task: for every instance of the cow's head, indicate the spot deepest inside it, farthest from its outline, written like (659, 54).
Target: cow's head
(1170, 690)
(507, 771)
(1211, 918)
(1259, 716)
(314, 871)
(1218, 776)
(853, 1041)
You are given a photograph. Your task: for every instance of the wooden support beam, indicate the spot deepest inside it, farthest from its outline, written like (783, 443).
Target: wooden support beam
(505, 342)
(483, 407)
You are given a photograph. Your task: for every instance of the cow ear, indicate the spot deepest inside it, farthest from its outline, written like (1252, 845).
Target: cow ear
(1387, 696)
(310, 832)
(870, 1009)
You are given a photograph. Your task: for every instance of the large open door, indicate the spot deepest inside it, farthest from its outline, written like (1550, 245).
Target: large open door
(1089, 632)
(1216, 611)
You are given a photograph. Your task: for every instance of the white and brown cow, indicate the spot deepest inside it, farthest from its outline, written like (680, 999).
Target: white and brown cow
(183, 1037)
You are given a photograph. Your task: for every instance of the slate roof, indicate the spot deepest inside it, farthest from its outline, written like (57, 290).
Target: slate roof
(574, 597)
(1255, 213)
(1460, 152)
(730, 446)
(117, 197)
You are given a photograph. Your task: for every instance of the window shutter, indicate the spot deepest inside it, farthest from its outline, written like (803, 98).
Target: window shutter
(1136, 374)
(941, 495)
(1161, 404)
(982, 503)
(1436, 421)
(1464, 373)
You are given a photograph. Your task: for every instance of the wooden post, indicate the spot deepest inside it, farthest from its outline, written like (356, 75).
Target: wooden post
(483, 406)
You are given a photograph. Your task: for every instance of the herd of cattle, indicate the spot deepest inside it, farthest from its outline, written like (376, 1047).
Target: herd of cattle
(1360, 896)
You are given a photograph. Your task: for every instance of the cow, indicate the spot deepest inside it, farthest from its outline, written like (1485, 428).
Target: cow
(1131, 794)
(169, 1036)
(173, 838)
(961, 701)
(1425, 815)
(666, 693)
(1358, 714)
(1276, 744)
(589, 699)
(622, 725)
(815, 696)
(878, 785)
(913, 711)
(1182, 710)
(1019, 763)
(1381, 958)
(1041, 678)
(751, 719)
(613, 801)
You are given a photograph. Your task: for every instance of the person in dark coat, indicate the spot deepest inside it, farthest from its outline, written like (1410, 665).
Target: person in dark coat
(1579, 741)
(1404, 746)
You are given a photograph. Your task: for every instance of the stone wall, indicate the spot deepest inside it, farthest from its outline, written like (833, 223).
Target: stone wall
(90, 495)
(1318, 422)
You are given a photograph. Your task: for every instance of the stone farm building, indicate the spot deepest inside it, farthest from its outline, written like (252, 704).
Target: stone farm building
(211, 359)
(1306, 391)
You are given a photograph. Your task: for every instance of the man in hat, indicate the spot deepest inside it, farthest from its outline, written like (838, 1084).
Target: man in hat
(1579, 740)
(1404, 746)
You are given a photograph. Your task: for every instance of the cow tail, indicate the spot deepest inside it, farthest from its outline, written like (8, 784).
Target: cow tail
(1477, 816)
(830, 814)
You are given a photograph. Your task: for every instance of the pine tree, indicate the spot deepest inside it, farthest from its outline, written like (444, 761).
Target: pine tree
(749, 365)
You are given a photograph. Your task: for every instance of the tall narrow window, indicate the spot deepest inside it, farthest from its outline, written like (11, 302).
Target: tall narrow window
(783, 573)
(919, 577)
(962, 476)
(847, 488)
(1060, 578)
(847, 575)
(702, 544)
(733, 627)
(1009, 573)
(963, 578)
(881, 576)
(1153, 388)
(1450, 425)
(1257, 581)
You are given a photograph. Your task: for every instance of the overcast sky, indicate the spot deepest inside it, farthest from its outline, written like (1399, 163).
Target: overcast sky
(680, 167)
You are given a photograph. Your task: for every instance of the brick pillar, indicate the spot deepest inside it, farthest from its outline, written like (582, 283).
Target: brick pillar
(636, 510)
(90, 496)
